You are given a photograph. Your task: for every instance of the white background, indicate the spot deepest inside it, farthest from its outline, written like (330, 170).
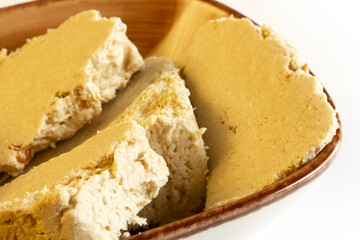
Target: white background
(327, 35)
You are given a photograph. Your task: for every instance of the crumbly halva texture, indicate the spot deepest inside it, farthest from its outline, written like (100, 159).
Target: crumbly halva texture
(165, 111)
(265, 113)
(56, 83)
(92, 192)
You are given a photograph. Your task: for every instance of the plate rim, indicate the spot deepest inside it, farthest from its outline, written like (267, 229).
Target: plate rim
(216, 216)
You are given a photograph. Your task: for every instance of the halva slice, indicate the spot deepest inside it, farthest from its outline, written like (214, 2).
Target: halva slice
(92, 192)
(56, 83)
(3, 54)
(163, 108)
(265, 114)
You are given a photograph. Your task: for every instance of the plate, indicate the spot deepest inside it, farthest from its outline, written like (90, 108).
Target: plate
(158, 27)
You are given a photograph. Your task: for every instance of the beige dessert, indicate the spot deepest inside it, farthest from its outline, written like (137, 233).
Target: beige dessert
(165, 111)
(92, 192)
(55, 84)
(3, 54)
(265, 113)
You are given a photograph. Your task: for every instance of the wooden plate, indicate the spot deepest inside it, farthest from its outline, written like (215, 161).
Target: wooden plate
(161, 27)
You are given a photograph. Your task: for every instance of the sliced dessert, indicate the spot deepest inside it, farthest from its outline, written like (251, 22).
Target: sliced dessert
(56, 83)
(92, 192)
(3, 54)
(266, 114)
(165, 111)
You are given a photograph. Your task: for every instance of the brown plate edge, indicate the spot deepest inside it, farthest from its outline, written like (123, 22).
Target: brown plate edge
(214, 217)
(202, 221)
(34, 3)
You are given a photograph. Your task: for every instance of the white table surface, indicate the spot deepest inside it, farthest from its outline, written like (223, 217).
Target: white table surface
(327, 35)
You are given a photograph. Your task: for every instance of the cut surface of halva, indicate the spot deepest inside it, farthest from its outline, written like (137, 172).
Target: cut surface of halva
(55, 83)
(163, 108)
(265, 114)
(92, 192)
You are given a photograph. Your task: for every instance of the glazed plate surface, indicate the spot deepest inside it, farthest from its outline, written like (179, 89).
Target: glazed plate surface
(157, 27)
